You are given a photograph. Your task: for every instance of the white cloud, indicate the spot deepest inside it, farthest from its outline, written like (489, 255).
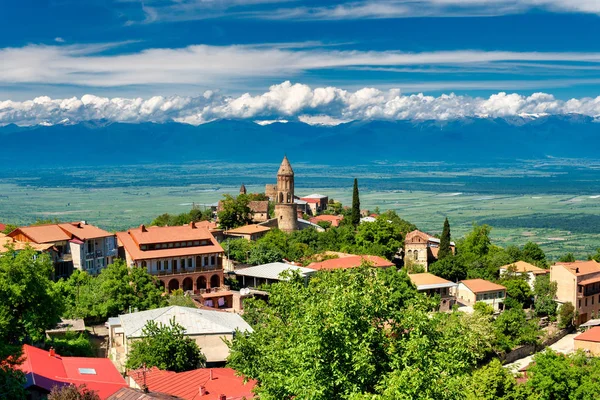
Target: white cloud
(58, 39)
(287, 101)
(90, 66)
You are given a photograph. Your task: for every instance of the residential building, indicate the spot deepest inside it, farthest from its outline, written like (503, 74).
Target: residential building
(422, 248)
(434, 285)
(207, 328)
(316, 203)
(249, 232)
(268, 274)
(470, 291)
(76, 245)
(198, 384)
(46, 369)
(346, 261)
(187, 257)
(589, 341)
(578, 283)
(334, 220)
(522, 268)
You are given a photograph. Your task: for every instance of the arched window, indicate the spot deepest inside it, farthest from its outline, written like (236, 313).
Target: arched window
(144, 264)
(280, 197)
(416, 255)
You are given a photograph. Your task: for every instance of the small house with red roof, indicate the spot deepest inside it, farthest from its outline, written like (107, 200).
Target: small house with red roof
(46, 369)
(346, 261)
(198, 384)
(578, 283)
(589, 341)
(471, 291)
(315, 203)
(334, 220)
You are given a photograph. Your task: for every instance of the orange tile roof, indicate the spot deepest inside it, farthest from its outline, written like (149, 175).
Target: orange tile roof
(481, 285)
(43, 233)
(581, 267)
(334, 219)
(168, 235)
(259, 206)
(216, 382)
(248, 229)
(522, 266)
(590, 281)
(350, 262)
(84, 231)
(426, 278)
(6, 240)
(591, 335)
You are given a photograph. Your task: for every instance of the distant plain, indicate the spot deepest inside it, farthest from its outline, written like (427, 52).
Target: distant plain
(555, 203)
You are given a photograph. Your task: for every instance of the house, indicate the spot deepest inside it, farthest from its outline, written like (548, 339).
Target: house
(434, 285)
(470, 291)
(46, 369)
(316, 203)
(76, 245)
(346, 261)
(334, 220)
(198, 384)
(249, 232)
(422, 248)
(301, 206)
(268, 273)
(260, 210)
(589, 341)
(207, 327)
(368, 219)
(522, 268)
(187, 257)
(578, 283)
(65, 326)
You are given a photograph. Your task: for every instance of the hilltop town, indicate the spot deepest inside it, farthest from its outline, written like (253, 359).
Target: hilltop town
(277, 295)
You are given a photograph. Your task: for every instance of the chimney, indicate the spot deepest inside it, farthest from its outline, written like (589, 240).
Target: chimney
(143, 228)
(577, 270)
(222, 397)
(202, 390)
(51, 353)
(211, 375)
(193, 225)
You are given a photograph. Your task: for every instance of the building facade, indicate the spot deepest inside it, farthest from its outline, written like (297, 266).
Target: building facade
(433, 285)
(471, 291)
(578, 283)
(286, 212)
(421, 248)
(524, 269)
(184, 257)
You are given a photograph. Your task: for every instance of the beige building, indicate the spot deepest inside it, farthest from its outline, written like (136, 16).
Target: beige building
(433, 285)
(578, 283)
(471, 291)
(249, 232)
(522, 268)
(208, 328)
(589, 341)
(421, 248)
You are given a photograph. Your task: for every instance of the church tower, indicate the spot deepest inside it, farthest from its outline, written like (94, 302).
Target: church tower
(285, 208)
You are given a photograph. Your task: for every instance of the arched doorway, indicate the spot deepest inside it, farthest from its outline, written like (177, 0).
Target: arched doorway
(215, 281)
(201, 282)
(161, 284)
(173, 285)
(188, 284)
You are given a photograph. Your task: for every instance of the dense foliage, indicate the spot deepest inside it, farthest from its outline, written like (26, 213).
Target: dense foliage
(194, 215)
(72, 392)
(235, 211)
(165, 347)
(11, 379)
(355, 216)
(180, 298)
(445, 249)
(71, 344)
(115, 290)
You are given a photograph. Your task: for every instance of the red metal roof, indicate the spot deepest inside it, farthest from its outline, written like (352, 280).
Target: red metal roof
(46, 371)
(481, 285)
(187, 385)
(350, 262)
(591, 335)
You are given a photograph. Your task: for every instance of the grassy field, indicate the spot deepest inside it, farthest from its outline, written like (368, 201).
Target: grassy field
(559, 222)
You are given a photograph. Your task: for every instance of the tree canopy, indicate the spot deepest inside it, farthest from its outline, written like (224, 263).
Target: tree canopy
(235, 211)
(355, 216)
(445, 250)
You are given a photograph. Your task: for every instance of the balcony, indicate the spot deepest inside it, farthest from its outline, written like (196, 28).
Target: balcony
(189, 270)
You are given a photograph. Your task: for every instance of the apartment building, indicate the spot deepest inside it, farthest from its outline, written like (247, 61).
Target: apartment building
(578, 283)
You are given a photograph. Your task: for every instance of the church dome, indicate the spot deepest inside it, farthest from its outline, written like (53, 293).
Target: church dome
(285, 168)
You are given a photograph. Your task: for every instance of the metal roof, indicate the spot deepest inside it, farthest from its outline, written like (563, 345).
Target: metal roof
(195, 321)
(314, 196)
(273, 270)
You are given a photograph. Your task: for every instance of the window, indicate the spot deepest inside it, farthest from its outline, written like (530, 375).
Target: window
(143, 247)
(158, 265)
(579, 303)
(586, 301)
(144, 264)
(500, 295)
(87, 371)
(189, 243)
(212, 260)
(183, 263)
(189, 264)
(416, 255)
(196, 242)
(204, 260)
(90, 246)
(177, 244)
(164, 246)
(166, 264)
(174, 265)
(170, 245)
(592, 300)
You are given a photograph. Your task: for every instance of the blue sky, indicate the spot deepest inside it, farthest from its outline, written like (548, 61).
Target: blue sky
(135, 48)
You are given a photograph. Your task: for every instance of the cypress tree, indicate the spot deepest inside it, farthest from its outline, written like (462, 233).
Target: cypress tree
(445, 249)
(355, 204)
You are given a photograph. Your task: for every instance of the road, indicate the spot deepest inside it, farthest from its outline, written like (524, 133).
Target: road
(565, 345)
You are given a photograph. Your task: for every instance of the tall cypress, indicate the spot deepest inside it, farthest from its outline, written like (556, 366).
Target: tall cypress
(355, 204)
(445, 249)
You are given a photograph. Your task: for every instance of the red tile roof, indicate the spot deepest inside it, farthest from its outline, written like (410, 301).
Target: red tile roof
(187, 384)
(481, 285)
(310, 200)
(581, 267)
(2, 227)
(133, 238)
(248, 229)
(591, 335)
(334, 219)
(46, 371)
(84, 231)
(43, 233)
(350, 262)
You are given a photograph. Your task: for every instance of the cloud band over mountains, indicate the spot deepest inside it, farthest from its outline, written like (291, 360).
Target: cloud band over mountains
(287, 101)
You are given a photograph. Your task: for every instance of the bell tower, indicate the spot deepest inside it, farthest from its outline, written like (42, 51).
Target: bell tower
(285, 208)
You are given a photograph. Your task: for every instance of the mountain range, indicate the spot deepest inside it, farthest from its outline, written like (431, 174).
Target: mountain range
(469, 140)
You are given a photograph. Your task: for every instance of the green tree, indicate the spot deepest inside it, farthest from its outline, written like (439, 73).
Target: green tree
(569, 257)
(237, 249)
(72, 392)
(545, 293)
(445, 250)
(30, 301)
(492, 382)
(381, 237)
(566, 315)
(533, 253)
(179, 298)
(165, 347)
(12, 380)
(355, 218)
(518, 292)
(9, 228)
(235, 211)
(71, 345)
(449, 268)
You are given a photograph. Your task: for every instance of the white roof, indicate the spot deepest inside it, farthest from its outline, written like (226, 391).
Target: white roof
(195, 321)
(305, 222)
(437, 286)
(436, 240)
(298, 201)
(314, 196)
(368, 219)
(272, 270)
